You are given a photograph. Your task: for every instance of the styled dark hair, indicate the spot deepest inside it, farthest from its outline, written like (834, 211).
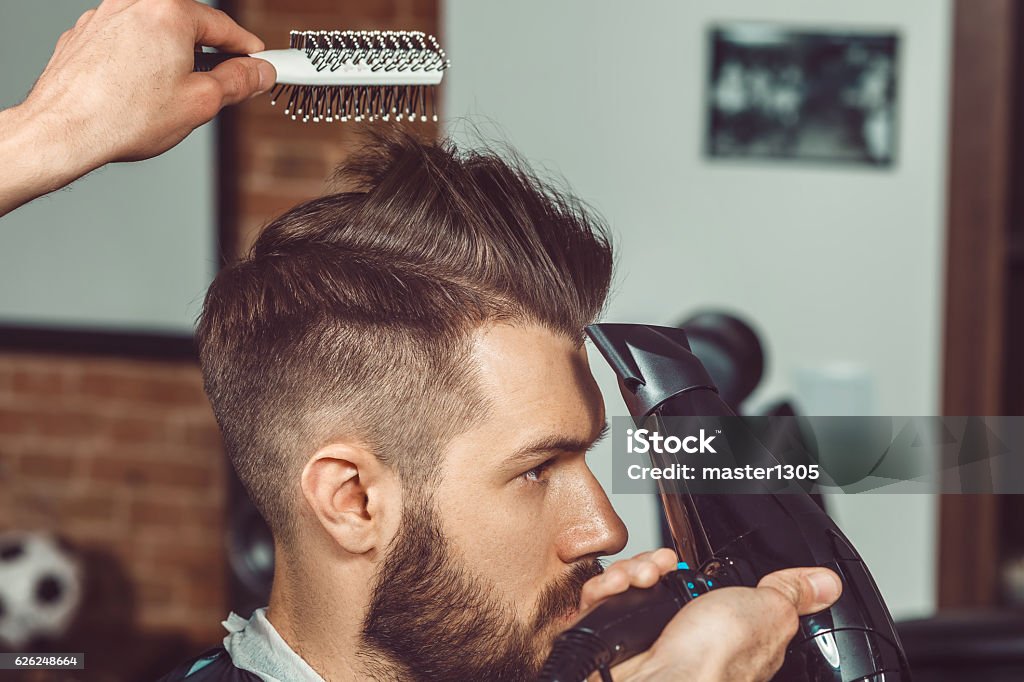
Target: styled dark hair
(352, 315)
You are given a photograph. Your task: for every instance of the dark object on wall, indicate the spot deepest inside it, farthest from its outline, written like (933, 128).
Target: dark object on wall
(250, 550)
(963, 646)
(775, 92)
(730, 351)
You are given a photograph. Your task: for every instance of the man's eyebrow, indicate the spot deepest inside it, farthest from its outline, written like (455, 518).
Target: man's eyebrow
(556, 444)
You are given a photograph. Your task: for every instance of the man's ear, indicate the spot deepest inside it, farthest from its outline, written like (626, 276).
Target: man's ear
(342, 484)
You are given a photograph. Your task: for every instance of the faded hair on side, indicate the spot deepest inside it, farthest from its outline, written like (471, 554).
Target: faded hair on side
(352, 316)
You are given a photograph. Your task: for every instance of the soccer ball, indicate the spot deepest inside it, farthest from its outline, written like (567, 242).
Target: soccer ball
(40, 588)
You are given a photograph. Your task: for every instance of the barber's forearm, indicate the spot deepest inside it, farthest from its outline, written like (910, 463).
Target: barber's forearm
(120, 87)
(38, 154)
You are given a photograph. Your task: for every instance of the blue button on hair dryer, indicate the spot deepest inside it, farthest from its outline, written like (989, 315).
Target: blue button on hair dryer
(726, 540)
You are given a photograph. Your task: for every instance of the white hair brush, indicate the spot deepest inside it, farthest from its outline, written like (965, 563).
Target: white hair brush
(352, 75)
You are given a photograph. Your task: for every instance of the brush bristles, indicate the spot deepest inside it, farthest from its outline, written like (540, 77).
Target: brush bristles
(380, 50)
(357, 103)
(389, 51)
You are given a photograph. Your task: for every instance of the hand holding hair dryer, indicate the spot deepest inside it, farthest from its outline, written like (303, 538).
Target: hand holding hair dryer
(727, 540)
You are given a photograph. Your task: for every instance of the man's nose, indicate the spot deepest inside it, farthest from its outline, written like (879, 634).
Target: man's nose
(594, 528)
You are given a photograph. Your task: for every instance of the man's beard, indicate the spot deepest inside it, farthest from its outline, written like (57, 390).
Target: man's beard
(430, 619)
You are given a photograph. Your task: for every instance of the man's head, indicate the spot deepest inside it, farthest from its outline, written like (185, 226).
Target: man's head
(398, 373)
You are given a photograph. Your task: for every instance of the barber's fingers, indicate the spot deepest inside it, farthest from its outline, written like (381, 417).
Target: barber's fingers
(214, 28)
(809, 590)
(61, 42)
(230, 82)
(740, 634)
(643, 570)
(662, 560)
(243, 77)
(66, 35)
(665, 558)
(84, 19)
(210, 27)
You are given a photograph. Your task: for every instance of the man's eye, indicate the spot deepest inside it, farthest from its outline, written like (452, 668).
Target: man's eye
(536, 473)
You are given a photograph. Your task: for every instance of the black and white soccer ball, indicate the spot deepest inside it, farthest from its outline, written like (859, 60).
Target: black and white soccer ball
(40, 588)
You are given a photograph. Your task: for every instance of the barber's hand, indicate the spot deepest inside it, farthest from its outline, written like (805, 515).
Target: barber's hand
(735, 634)
(120, 87)
(121, 82)
(643, 570)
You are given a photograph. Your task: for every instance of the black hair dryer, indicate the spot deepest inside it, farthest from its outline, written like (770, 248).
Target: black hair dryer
(726, 540)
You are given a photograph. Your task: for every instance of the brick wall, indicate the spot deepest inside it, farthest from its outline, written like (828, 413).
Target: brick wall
(122, 457)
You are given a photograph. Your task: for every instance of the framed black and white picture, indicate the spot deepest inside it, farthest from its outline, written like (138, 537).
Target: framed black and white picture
(776, 92)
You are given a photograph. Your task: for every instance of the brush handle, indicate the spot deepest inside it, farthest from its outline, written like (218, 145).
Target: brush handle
(296, 67)
(206, 61)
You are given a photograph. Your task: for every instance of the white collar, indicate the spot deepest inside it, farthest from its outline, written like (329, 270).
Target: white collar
(255, 645)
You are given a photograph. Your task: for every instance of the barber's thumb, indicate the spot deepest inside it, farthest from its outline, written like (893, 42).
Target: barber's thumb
(243, 78)
(809, 589)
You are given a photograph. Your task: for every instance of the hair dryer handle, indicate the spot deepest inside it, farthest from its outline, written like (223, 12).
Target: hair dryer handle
(623, 626)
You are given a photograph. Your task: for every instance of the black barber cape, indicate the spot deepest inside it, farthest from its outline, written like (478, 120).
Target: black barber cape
(211, 666)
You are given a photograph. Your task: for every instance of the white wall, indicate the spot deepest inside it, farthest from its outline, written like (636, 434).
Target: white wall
(131, 246)
(837, 265)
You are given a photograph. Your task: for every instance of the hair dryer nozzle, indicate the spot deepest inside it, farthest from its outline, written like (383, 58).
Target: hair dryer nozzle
(653, 363)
